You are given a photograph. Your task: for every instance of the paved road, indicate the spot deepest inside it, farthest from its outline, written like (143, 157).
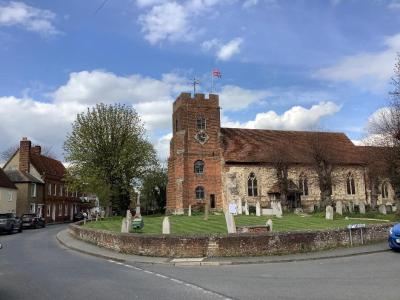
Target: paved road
(34, 266)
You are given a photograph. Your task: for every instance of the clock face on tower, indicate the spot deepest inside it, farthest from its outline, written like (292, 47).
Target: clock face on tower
(201, 137)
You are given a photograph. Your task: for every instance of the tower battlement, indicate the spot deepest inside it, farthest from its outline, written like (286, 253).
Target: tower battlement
(199, 99)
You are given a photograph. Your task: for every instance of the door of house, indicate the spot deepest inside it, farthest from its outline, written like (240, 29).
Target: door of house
(212, 201)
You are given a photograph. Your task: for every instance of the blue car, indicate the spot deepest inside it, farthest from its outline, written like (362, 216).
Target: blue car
(394, 237)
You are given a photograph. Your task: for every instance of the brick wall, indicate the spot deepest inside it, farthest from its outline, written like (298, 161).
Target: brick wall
(246, 244)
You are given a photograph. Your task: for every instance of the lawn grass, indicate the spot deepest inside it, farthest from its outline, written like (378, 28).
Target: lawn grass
(216, 223)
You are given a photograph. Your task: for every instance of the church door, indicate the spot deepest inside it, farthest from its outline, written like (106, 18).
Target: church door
(212, 201)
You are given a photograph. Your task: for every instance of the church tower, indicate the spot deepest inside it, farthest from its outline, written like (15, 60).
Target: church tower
(194, 165)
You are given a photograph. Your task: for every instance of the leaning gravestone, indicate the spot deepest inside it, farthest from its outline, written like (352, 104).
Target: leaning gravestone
(278, 209)
(329, 213)
(246, 208)
(124, 227)
(361, 207)
(230, 222)
(239, 206)
(166, 228)
(382, 209)
(269, 224)
(339, 207)
(351, 207)
(190, 211)
(258, 209)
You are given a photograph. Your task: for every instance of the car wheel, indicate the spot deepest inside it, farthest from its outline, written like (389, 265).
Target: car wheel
(35, 226)
(44, 225)
(11, 229)
(20, 229)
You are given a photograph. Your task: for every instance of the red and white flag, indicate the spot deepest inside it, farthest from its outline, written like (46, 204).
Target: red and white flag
(216, 73)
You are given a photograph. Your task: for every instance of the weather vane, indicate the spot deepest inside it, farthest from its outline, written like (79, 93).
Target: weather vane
(195, 82)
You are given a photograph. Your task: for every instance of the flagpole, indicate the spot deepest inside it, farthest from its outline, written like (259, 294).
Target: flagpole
(212, 82)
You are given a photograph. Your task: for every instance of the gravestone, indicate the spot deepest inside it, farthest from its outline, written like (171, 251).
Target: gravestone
(382, 209)
(239, 206)
(246, 208)
(269, 224)
(258, 209)
(124, 226)
(329, 213)
(394, 208)
(166, 228)
(351, 207)
(361, 207)
(276, 208)
(128, 218)
(190, 211)
(230, 222)
(339, 207)
(137, 211)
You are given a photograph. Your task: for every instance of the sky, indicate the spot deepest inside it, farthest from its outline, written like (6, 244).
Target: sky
(285, 64)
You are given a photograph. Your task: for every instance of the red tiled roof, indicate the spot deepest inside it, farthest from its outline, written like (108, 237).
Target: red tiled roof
(48, 166)
(260, 146)
(5, 182)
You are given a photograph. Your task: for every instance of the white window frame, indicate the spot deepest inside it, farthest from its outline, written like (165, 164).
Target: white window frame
(55, 189)
(10, 196)
(49, 189)
(32, 208)
(33, 191)
(66, 210)
(60, 207)
(48, 210)
(61, 190)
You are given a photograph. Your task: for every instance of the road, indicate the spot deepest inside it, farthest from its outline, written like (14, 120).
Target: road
(33, 265)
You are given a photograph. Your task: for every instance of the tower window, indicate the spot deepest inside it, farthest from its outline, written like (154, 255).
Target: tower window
(199, 167)
(201, 123)
(351, 189)
(252, 185)
(199, 193)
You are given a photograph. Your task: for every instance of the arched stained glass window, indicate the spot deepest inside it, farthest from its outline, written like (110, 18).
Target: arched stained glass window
(351, 188)
(199, 193)
(252, 185)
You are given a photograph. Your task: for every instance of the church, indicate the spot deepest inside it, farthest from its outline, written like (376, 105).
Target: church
(216, 165)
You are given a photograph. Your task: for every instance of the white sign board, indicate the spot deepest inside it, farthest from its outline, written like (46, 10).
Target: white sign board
(354, 226)
(233, 208)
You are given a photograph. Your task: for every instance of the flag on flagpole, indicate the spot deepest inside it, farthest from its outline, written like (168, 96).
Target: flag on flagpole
(216, 73)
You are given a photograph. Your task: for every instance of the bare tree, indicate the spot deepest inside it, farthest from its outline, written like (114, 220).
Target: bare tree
(6, 154)
(280, 162)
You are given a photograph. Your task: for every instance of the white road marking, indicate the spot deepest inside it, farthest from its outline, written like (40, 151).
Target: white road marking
(189, 285)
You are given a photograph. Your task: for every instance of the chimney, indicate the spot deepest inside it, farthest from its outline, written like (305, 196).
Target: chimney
(37, 150)
(24, 155)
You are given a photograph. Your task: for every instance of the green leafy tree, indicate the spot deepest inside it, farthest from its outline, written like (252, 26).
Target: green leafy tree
(108, 153)
(154, 190)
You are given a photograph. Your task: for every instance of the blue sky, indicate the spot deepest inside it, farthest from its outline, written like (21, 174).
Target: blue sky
(292, 65)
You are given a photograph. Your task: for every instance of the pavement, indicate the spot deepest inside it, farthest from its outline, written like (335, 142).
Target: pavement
(78, 245)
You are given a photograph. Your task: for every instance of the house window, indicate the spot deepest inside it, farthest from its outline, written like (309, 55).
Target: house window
(199, 167)
(199, 193)
(33, 208)
(252, 185)
(48, 210)
(66, 210)
(351, 189)
(33, 189)
(385, 190)
(55, 189)
(49, 189)
(303, 184)
(10, 196)
(201, 123)
(61, 190)
(60, 210)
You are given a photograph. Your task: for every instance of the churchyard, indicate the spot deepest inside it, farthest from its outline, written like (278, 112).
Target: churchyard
(216, 223)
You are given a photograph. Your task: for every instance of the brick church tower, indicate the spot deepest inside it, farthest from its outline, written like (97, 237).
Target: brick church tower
(194, 165)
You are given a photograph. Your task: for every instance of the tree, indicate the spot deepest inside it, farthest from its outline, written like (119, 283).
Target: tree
(280, 162)
(6, 154)
(386, 127)
(154, 190)
(108, 153)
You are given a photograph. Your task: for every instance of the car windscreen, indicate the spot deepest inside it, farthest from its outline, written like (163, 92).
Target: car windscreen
(5, 216)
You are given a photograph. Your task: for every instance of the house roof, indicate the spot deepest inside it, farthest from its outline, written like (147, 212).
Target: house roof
(17, 176)
(264, 146)
(5, 182)
(48, 166)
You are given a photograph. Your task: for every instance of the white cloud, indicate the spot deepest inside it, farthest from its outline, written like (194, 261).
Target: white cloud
(296, 118)
(229, 49)
(250, 3)
(394, 4)
(162, 146)
(167, 21)
(144, 3)
(235, 98)
(369, 70)
(31, 18)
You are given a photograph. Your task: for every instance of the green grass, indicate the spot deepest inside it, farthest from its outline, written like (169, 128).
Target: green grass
(216, 223)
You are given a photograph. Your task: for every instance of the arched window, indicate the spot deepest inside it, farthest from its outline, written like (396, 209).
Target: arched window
(199, 193)
(385, 190)
(351, 188)
(199, 167)
(303, 184)
(252, 185)
(201, 123)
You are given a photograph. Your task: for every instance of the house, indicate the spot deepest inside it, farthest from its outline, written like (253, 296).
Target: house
(40, 183)
(209, 163)
(8, 194)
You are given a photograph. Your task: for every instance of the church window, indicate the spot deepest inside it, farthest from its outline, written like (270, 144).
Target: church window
(385, 190)
(201, 123)
(252, 185)
(351, 188)
(199, 167)
(303, 184)
(199, 193)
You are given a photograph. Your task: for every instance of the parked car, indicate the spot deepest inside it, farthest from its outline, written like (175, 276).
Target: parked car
(10, 223)
(32, 221)
(394, 237)
(78, 217)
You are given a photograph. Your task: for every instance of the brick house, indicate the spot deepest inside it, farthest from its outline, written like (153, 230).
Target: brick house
(217, 165)
(8, 194)
(40, 183)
